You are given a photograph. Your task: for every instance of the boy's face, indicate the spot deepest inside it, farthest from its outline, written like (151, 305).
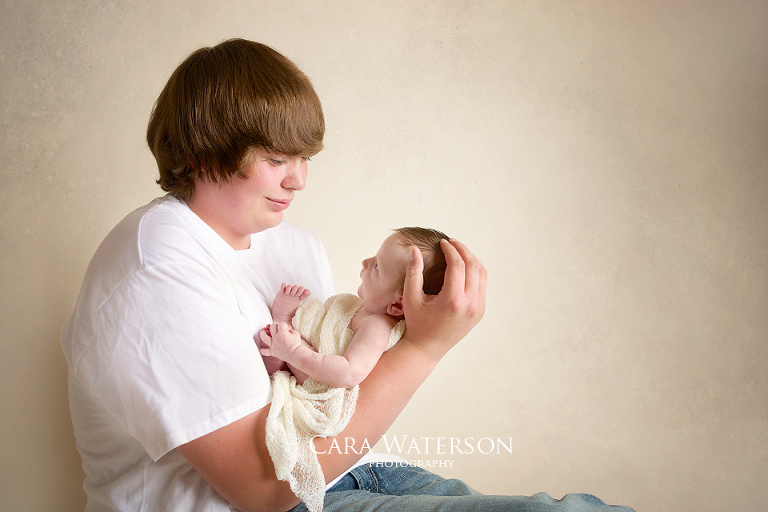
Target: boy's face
(382, 276)
(251, 205)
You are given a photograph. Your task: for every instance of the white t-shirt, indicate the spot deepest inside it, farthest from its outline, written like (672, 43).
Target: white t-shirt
(161, 349)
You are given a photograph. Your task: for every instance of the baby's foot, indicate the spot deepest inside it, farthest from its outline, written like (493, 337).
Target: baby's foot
(287, 302)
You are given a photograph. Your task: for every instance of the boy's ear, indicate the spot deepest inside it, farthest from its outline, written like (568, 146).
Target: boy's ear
(396, 308)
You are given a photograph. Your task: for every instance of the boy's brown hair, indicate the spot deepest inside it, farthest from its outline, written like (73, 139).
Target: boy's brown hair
(224, 100)
(428, 242)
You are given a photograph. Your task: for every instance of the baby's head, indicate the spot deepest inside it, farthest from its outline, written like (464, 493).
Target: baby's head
(384, 274)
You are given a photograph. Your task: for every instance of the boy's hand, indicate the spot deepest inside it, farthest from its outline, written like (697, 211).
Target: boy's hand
(435, 323)
(280, 340)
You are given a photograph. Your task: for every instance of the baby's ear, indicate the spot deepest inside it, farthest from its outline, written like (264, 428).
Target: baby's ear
(396, 308)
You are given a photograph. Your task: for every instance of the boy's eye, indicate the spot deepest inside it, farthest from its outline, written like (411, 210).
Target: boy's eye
(306, 158)
(276, 162)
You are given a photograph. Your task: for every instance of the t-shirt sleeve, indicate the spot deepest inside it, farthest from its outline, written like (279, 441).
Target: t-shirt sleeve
(177, 362)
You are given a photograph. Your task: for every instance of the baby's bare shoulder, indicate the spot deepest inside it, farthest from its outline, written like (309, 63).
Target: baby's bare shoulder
(374, 321)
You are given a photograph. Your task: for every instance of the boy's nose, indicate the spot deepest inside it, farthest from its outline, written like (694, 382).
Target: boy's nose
(296, 175)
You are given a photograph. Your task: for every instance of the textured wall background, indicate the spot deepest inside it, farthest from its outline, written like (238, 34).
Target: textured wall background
(606, 160)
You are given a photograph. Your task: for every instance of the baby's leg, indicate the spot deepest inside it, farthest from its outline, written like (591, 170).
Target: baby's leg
(299, 375)
(287, 302)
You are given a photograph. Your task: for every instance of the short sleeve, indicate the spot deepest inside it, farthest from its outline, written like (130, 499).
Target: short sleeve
(175, 363)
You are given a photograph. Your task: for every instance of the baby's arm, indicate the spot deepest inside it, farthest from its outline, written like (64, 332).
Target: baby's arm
(365, 348)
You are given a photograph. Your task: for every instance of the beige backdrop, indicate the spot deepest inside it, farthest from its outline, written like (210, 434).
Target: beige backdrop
(606, 160)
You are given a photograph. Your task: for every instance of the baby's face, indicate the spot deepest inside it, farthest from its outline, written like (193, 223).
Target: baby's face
(382, 276)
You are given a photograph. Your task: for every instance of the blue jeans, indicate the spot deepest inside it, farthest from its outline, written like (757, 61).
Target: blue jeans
(404, 488)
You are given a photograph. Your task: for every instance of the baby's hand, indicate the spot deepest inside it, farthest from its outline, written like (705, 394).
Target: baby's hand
(280, 340)
(271, 364)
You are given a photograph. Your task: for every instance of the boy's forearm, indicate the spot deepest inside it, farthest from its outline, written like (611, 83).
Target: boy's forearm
(234, 460)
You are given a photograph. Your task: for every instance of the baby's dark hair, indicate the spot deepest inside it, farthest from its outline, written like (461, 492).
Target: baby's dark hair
(428, 242)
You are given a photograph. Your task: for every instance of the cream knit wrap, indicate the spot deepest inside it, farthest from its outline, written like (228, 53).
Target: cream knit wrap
(300, 412)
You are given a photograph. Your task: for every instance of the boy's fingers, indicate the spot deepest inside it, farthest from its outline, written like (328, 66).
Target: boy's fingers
(455, 277)
(414, 276)
(474, 270)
